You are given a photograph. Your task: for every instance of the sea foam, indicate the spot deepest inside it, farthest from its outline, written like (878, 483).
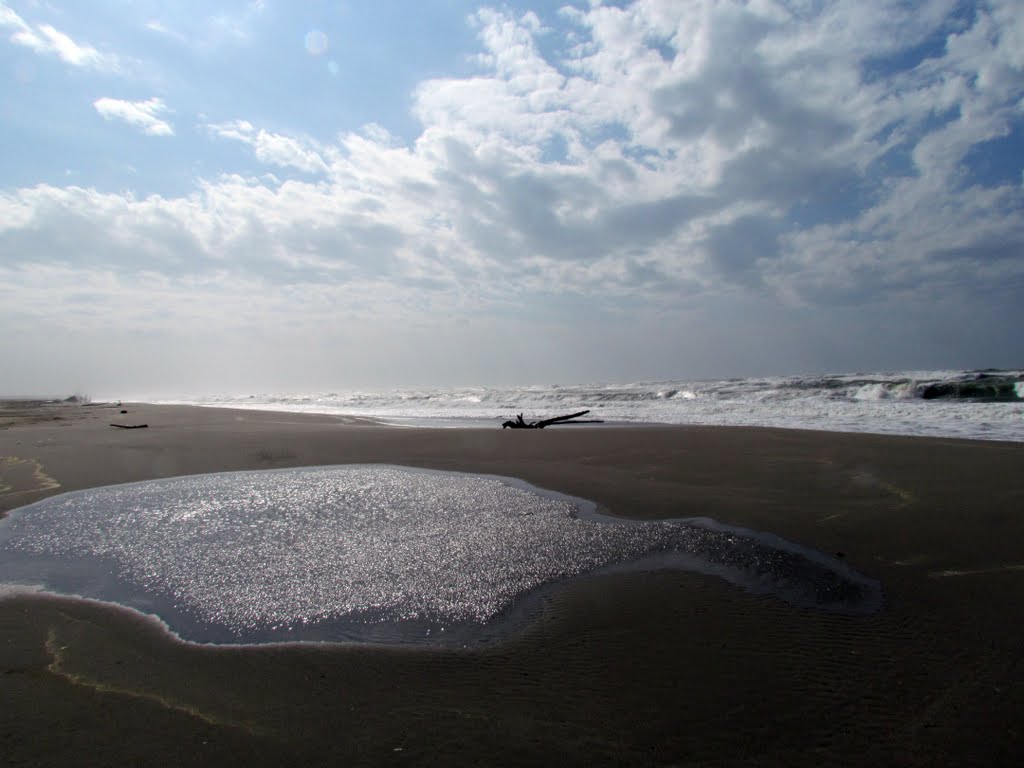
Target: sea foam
(985, 405)
(370, 552)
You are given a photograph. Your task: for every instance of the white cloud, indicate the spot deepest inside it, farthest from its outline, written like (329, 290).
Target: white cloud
(144, 115)
(45, 39)
(237, 26)
(673, 154)
(160, 28)
(273, 148)
(11, 20)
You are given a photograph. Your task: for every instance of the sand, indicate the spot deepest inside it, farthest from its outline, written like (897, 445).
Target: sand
(666, 668)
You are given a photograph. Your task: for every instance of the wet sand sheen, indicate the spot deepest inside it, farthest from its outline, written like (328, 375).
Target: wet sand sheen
(664, 667)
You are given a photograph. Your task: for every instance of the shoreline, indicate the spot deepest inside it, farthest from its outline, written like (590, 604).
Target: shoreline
(972, 404)
(663, 667)
(481, 422)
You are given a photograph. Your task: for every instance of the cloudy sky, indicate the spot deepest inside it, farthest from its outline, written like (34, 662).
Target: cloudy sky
(208, 196)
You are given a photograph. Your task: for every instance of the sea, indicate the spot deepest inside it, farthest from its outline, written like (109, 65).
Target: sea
(976, 404)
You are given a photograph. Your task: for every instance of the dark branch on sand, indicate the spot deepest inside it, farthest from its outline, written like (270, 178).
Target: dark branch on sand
(520, 424)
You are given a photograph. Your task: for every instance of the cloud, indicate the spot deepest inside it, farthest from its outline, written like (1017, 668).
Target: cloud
(144, 115)
(273, 148)
(235, 27)
(646, 160)
(160, 28)
(45, 39)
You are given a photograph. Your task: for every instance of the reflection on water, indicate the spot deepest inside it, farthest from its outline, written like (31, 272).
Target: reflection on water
(370, 552)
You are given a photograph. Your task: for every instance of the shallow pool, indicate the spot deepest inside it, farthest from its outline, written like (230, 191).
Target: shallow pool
(371, 553)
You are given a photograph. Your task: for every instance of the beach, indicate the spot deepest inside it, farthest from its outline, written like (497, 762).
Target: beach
(656, 668)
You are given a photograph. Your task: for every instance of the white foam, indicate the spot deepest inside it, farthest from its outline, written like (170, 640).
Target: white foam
(885, 403)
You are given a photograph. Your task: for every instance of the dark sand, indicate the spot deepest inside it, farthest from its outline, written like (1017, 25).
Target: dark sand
(664, 668)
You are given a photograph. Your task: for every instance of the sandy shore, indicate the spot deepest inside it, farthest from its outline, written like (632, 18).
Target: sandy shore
(662, 668)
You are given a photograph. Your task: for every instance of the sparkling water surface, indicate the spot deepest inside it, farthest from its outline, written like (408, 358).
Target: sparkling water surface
(371, 553)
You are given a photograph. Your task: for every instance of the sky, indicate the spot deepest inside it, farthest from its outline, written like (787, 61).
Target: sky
(207, 197)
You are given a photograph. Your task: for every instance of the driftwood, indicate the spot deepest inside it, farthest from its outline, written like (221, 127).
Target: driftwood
(572, 418)
(130, 426)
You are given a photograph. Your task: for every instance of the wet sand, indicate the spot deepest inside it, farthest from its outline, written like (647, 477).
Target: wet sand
(665, 668)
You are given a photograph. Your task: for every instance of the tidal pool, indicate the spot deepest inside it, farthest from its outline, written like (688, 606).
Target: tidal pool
(372, 553)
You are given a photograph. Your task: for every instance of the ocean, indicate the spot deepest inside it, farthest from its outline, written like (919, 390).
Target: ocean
(978, 404)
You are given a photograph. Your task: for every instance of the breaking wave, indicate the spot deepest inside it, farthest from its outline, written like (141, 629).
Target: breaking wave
(982, 404)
